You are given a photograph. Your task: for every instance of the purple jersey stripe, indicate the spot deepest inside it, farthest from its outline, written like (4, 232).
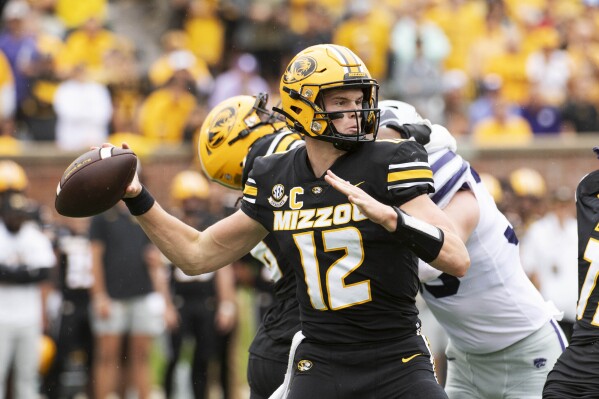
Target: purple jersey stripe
(560, 337)
(442, 161)
(447, 187)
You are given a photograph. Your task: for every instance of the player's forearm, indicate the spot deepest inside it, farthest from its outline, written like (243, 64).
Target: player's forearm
(179, 242)
(439, 246)
(453, 258)
(196, 252)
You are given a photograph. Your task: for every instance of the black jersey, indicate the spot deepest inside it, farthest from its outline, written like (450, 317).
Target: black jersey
(587, 214)
(356, 282)
(268, 252)
(281, 321)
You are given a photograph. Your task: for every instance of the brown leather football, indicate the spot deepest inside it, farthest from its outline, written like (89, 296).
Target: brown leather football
(95, 181)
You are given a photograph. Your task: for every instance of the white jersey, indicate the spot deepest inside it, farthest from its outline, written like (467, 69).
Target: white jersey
(494, 305)
(21, 305)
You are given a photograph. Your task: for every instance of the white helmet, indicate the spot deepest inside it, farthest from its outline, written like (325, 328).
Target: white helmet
(395, 114)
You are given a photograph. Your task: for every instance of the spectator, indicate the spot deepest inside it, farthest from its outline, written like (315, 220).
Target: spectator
(498, 27)
(166, 113)
(550, 68)
(319, 24)
(242, 78)
(134, 304)
(462, 21)
(8, 94)
(206, 32)
(549, 249)
(420, 81)
(178, 13)
(87, 45)
(455, 86)
(510, 65)
(254, 35)
(75, 13)
(579, 113)
(83, 109)
(543, 117)
(26, 258)
(18, 45)
(412, 27)
(176, 56)
(367, 31)
(501, 128)
(490, 91)
(37, 107)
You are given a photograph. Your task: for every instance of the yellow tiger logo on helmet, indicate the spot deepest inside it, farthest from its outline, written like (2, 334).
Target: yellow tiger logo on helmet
(300, 69)
(221, 127)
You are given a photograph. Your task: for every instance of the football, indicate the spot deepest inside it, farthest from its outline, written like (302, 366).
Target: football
(95, 181)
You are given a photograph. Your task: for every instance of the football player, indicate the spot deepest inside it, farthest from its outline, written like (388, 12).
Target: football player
(206, 304)
(353, 217)
(575, 375)
(233, 135)
(503, 339)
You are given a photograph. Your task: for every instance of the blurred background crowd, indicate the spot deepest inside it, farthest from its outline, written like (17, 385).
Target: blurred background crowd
(73, 73)
(492, 71)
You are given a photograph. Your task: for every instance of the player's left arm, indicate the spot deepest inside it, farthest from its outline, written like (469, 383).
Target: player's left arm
(453, 256)
(464, 213)
(418, 222)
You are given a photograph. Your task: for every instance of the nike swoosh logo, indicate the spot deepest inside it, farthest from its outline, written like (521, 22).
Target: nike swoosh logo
(363, 181)
(407, 359)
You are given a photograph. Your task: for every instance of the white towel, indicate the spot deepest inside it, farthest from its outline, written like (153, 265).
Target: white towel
(283, 390)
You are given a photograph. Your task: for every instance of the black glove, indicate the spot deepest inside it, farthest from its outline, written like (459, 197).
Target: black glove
(421, 133)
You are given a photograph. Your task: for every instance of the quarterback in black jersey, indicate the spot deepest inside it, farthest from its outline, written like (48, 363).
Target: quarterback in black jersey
(353, 244)
(576, 373)
(236, 132)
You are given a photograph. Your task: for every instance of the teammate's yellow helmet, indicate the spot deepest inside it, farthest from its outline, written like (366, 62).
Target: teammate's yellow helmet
(324, 67)
(189, 184)
(12, 176)
(527, 182)
(493, 186)
(229, 131)
(47, 353)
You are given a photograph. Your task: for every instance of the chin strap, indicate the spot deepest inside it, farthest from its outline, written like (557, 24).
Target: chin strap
(296, 125)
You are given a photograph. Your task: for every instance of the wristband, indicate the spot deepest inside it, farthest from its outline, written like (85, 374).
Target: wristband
(141, 203)
(424, 239)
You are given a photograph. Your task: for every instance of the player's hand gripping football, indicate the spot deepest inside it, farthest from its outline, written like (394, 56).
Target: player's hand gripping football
(134, 188)
(370, 207)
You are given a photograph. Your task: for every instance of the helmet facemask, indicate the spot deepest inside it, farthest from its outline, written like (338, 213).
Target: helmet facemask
(265, 116)
(366, 118)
